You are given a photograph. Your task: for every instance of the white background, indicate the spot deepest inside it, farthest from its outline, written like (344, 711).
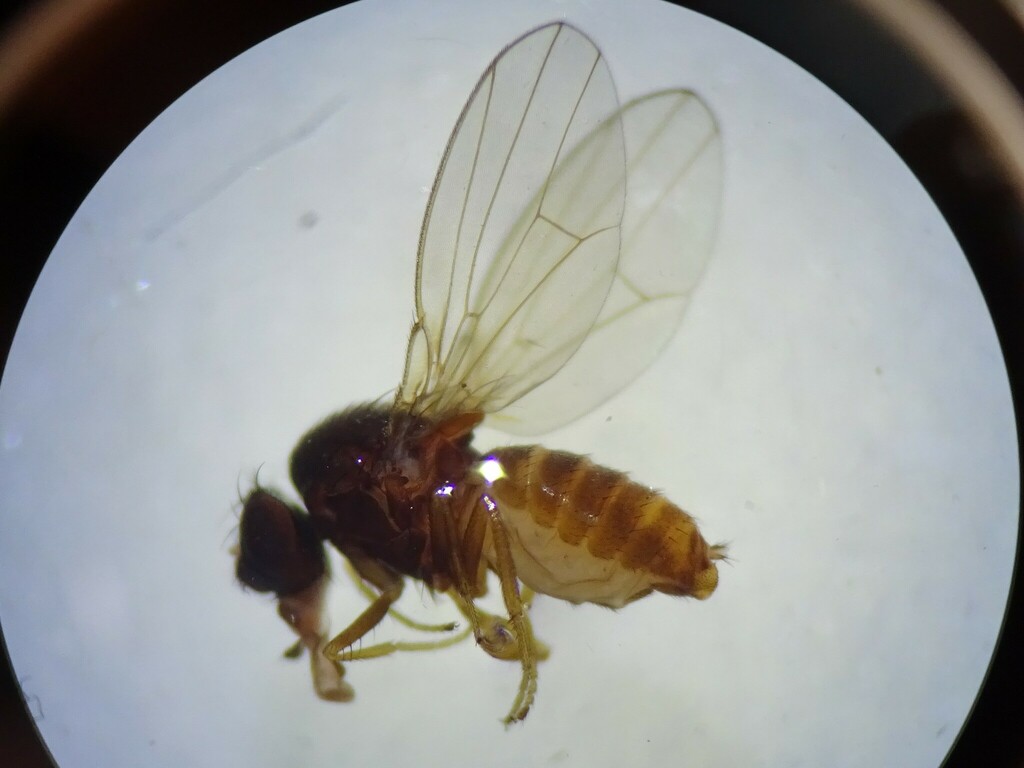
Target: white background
(835, 406)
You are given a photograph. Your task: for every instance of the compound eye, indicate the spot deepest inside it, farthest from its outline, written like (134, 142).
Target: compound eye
(278, 549)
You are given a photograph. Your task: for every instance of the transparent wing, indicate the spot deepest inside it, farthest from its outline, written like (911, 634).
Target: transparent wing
(674, 171)
(519, 277)
(520, 241)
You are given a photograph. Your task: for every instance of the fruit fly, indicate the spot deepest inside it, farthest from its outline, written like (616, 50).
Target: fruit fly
(563, 237)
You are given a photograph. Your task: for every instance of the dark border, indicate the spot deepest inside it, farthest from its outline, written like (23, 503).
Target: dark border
(100, 92)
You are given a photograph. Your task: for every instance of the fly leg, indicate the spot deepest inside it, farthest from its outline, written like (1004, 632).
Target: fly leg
(303, 611)
(390, 585)
(394, 613)
(527, 644)
(508, 639)
(464, 552)
(386, 649)
(540, 648)
(495, 634)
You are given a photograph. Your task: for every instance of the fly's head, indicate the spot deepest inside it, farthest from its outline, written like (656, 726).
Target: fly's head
(278, 549)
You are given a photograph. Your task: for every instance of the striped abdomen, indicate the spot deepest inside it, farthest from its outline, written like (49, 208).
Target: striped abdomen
(585, 533)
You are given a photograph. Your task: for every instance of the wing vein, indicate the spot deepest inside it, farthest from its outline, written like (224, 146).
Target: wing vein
(505, 163)
(462, 220)
(525, 300)
(563, 238)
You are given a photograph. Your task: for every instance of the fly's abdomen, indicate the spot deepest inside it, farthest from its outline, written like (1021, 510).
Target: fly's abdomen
(585, 533)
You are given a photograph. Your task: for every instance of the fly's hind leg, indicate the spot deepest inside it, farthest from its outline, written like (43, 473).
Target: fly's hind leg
(495, 634)
(464, 550)
(509, 639)
(527, 643)
(541, 649)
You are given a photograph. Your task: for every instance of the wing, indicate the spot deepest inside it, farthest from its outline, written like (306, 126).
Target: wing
(519, 275)
(674, 172)
(504, 238)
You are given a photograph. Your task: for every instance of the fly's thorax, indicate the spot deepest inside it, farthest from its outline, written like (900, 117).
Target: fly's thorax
(341, 452)
(367, 476)
(343, 471)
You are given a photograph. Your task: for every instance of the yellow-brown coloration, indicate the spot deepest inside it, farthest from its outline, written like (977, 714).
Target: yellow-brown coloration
(505, 299)
(585, 533)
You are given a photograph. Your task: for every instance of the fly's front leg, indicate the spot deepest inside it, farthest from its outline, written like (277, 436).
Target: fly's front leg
(304, 613)
(279, 552)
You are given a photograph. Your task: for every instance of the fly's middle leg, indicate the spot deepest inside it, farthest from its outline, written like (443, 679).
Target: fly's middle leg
(394, 613)
(387, 648)
(390, 585)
